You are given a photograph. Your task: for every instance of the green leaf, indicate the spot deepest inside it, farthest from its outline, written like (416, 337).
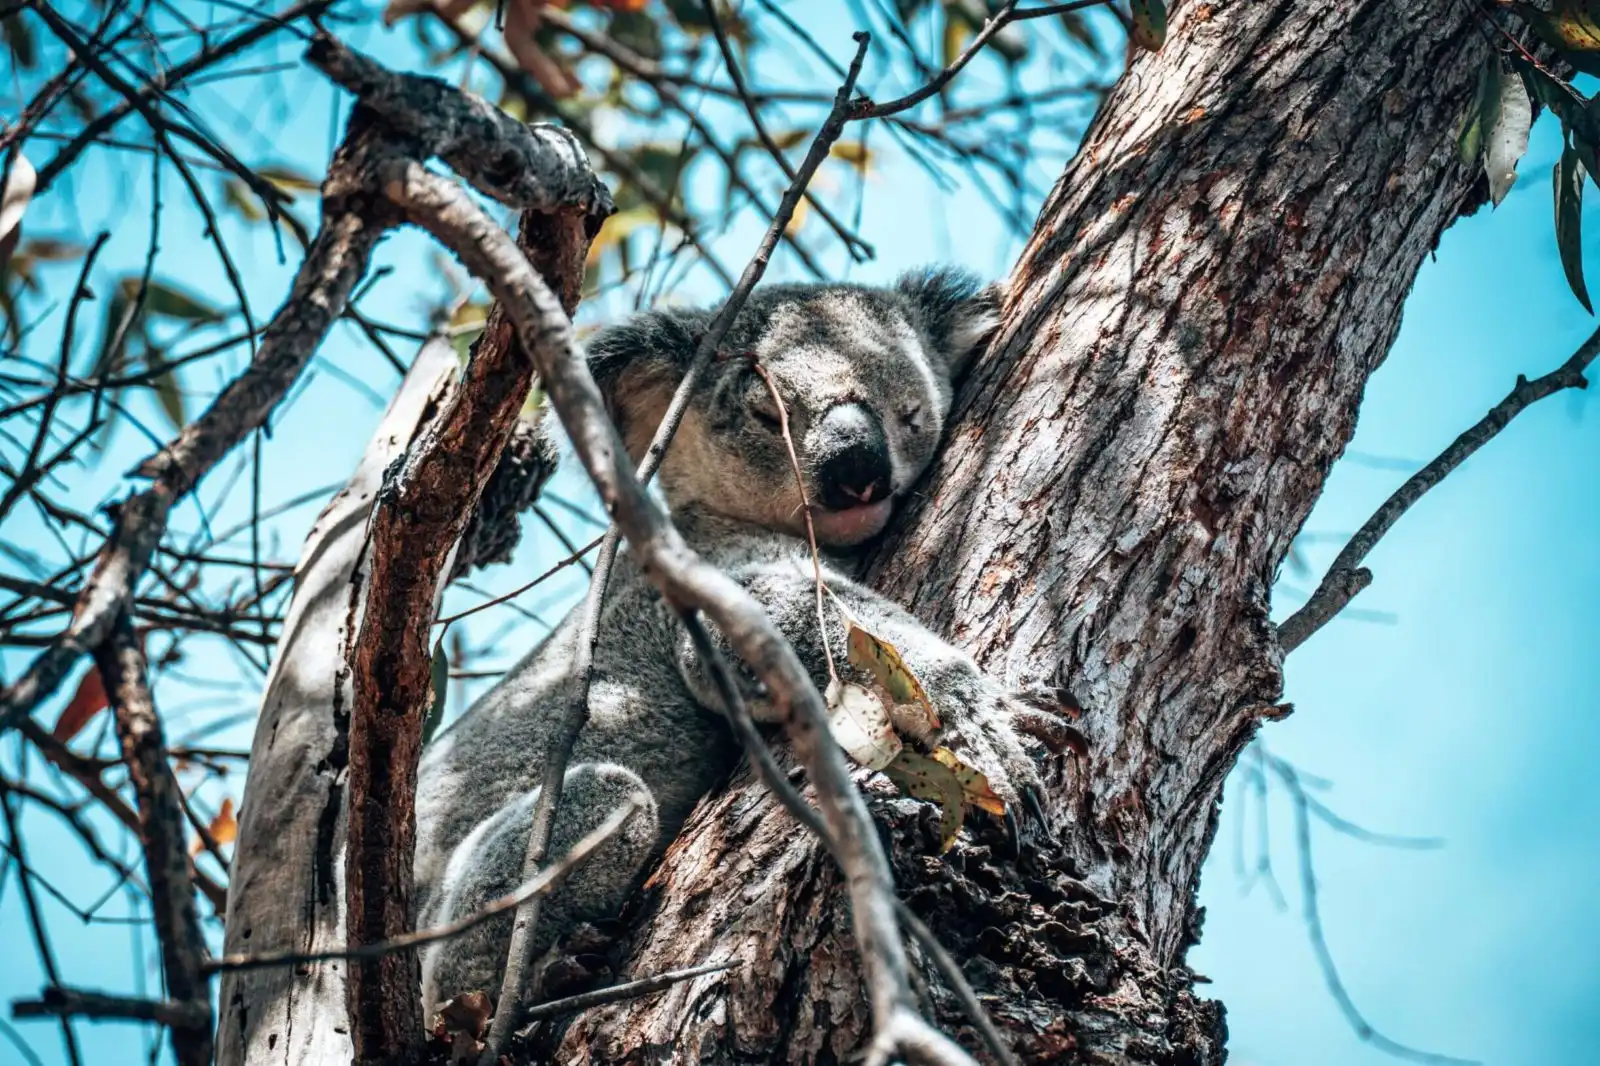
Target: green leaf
(1568, 181)
(169, 392)
(1485, 109)
(1508, 138)
(19, 42)
(1149, 24)
(288, 180)
(236, 195)
(638, 31)
(169, 301)
(919, 776)
(439, 675)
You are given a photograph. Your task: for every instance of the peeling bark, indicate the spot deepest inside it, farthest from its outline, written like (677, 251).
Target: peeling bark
(1184, 350)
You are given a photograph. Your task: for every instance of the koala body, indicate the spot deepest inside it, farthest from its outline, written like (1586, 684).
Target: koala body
(865, 375)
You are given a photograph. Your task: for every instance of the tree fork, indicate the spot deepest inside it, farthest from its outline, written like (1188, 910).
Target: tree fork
(1185, 345)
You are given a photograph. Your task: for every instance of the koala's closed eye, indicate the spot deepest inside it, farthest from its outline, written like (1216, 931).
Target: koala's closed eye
(758, 401)
(912, 417)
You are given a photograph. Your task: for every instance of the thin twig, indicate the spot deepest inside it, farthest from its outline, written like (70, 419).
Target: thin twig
(619, 993)
(1346, 577)
(58, 1002)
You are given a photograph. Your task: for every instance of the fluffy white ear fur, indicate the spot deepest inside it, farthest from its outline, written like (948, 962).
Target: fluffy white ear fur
(971, 332)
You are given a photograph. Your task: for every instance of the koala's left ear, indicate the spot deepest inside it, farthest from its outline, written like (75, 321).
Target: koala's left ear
(958, 311)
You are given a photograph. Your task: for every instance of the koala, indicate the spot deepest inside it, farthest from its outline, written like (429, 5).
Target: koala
(865, 374)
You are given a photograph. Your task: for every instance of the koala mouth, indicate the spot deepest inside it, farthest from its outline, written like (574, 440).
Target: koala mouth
(852, 525)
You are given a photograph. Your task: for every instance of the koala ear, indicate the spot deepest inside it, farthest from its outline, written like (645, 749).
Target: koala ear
(959, 313)
(638, 362)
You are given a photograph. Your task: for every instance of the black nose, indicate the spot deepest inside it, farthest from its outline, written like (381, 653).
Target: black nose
(853, 467)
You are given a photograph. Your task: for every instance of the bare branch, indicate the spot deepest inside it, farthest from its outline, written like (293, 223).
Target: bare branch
(124, 672)
(179, 1015)
(1346, 577)
(620, 993)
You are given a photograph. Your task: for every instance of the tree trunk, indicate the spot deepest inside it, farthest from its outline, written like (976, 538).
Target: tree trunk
(1185, 346)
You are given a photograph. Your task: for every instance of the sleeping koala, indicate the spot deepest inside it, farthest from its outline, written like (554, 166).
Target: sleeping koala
(865, 374)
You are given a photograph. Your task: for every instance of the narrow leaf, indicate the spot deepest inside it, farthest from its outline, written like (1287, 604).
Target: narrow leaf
(1508, 139)
(439, 676)
(1485, 109)
(169, 393)
(88, 701)
(1568, 181)
(170, 301)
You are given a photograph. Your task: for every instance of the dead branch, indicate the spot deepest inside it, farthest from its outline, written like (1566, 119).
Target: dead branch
(1346, 577)
(179, 1015)
(122, 665)
(618, 993)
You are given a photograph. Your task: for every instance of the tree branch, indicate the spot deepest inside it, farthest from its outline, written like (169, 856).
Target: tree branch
(179, 1015)
(125, 673)
(1346, 577)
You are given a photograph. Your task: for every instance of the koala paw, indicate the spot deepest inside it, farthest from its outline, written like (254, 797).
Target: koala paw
(985, 729)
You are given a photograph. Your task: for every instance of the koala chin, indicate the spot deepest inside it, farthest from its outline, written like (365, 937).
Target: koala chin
(865, 375)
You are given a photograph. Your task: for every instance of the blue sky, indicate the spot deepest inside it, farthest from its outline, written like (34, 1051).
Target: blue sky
(1462, 705)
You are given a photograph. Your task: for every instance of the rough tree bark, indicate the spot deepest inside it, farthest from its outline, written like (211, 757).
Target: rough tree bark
(1185, 346)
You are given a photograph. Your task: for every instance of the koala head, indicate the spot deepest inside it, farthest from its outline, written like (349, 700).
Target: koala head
(865, 376)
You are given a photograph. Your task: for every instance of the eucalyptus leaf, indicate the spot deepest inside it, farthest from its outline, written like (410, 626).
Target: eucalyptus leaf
(1485, 109)
(1149, 24)
(439, 675)
(1508, 138)
(1568, 181)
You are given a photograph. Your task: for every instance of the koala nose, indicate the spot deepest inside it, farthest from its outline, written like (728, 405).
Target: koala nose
(854, 469)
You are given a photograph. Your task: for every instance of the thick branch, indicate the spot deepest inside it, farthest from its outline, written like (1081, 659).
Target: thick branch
(162, 824)
(1347, 577)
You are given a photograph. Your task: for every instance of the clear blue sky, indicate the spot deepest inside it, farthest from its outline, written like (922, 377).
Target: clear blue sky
(1465, 707)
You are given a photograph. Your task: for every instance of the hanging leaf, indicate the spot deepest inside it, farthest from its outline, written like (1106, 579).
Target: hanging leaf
(19, 183)
(289, 180)
(1508, 138)
(921, 777)
(860, 725)
(1570, 25)
(169, 393)
(169, 301)
(856, 153)
(224, 829)
(1485, 109)
(957, 33)
(876, 656)
(974, 785)
(1568, 181)
(439, 677)
(88, 701)
(1149, 24)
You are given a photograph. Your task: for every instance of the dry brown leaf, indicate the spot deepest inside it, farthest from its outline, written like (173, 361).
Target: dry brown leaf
(860, 725)
(881, 659)
(88, 701)
(919, 776)
(522, 22)
(974, 785)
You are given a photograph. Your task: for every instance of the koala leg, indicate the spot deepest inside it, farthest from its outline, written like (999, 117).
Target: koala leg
(488, 864)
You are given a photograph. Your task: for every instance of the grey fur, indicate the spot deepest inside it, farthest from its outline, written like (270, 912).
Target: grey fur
(655, 724)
